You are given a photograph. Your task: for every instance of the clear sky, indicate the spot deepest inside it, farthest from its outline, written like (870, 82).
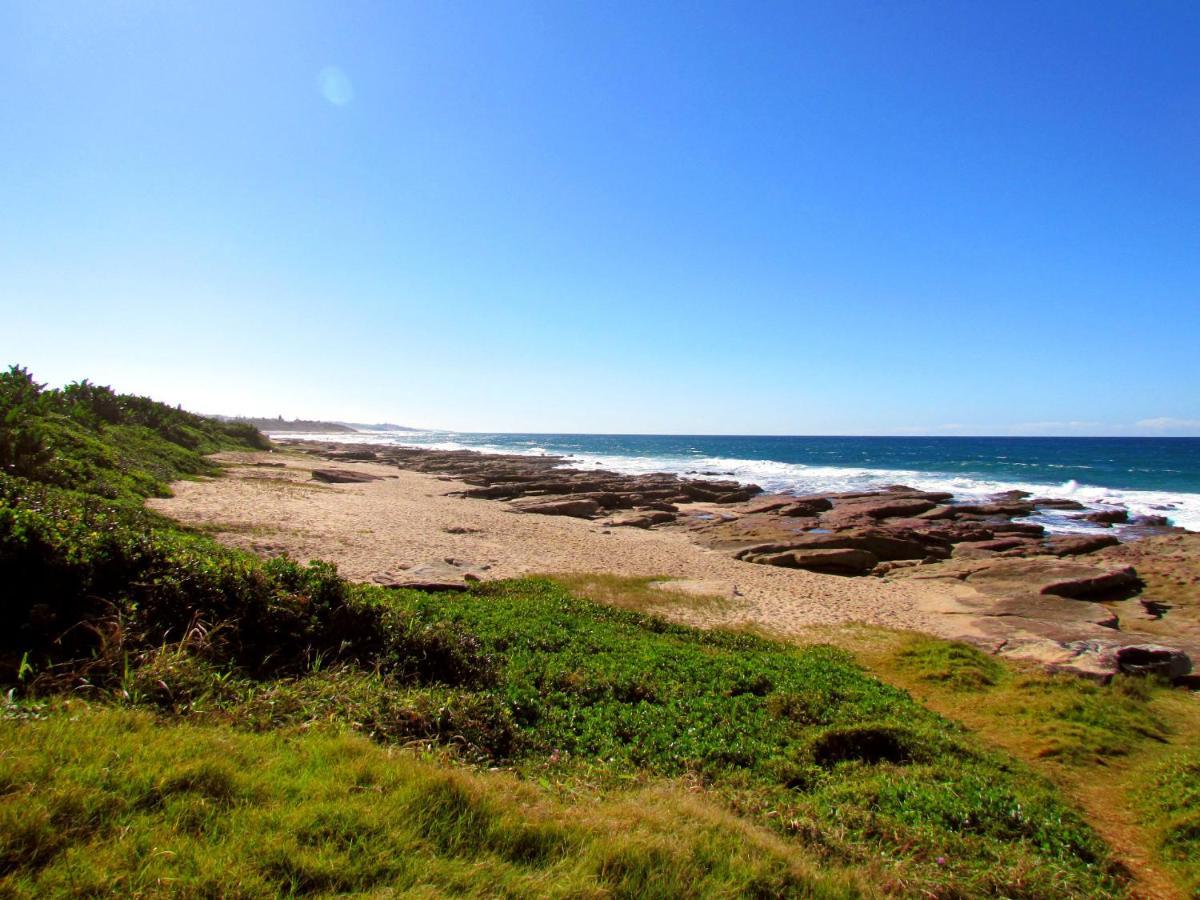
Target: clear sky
(746, 217)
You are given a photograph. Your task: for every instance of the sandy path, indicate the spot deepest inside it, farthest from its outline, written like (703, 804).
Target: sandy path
(377, 526)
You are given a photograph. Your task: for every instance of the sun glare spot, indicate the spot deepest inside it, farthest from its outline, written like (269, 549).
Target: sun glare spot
(335, 86)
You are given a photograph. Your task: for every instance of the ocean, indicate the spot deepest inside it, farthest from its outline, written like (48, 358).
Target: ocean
(1148, 476)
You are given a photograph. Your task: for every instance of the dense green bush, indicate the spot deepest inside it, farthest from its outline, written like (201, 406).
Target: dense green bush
(90, 582)
(91, 439)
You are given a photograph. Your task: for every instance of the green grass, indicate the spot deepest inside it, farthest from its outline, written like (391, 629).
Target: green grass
(100, 801)
(1076, 721)
(1123, 752)
(1171, 796)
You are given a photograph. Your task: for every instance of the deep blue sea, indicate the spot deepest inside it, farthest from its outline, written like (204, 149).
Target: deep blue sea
(1146, 475)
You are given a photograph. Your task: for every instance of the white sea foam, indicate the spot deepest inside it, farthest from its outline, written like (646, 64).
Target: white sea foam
(1182, 509)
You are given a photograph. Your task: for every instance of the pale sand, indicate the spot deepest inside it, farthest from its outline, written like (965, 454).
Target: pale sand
(379, 526)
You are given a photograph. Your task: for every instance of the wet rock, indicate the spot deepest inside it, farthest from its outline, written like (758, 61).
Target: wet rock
(1056, 503)
(718, 491)
(1107, 516)
(1151, 521)
(1011, 495)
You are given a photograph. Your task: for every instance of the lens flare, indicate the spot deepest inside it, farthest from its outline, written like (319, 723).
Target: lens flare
(335, 86)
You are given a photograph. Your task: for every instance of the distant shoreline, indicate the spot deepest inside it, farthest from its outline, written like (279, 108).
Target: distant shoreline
(307, 426)
(1147, 476)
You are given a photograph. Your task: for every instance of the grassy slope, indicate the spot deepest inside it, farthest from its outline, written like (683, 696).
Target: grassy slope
(569, 748)
(1127, 753)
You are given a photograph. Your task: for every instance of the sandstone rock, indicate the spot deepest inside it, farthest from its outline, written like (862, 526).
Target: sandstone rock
(957, 532)
(719, 491)
(880, 543)
(1078, 544)
(1011, 495)
(1008, 508)
(443, 575)
(1045, 575)
(643, 519)
(837, 562)
(1153, 659)
(1107, 516)
(811, 507)
(1052, 610)
(1056, 503)
(893, 565)
(852, 513)
(1105, 584)
(997, 545)
(582, 508)
(343, 476)
(940, 512)
(737, 496)
(771, 503)
(1005, 543)
(432, 587)
(352, 454)
(1027, 528)
(1151, 521)
(495, 492)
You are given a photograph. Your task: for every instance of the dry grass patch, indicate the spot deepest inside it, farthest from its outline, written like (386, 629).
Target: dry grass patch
(652, 596)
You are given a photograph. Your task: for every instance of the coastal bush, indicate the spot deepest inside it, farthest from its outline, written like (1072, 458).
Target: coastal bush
(92, 439)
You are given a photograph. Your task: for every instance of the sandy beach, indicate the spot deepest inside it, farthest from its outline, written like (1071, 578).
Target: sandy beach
(406, 520)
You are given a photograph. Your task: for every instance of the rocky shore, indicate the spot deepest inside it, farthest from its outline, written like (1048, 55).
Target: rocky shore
(1072, 601)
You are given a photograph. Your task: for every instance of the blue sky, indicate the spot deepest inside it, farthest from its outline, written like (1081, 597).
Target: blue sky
(614, 217)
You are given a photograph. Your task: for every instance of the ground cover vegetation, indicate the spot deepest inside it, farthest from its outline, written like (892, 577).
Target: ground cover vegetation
(185, 718)
(1127, 753)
